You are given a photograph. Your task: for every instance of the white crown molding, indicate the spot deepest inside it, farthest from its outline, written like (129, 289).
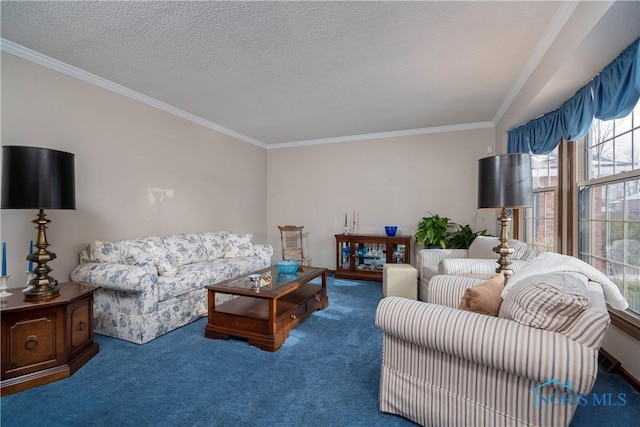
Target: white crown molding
(392, 134)
(555, 26)
(70, 70)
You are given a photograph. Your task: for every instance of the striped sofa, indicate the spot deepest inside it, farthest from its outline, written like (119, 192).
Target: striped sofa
(479, 259)
(442, 366)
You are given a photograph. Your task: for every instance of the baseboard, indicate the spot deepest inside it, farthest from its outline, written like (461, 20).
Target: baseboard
(611, 365)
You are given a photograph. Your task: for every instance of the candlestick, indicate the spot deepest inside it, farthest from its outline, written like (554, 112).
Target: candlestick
(4, 258)
(4, 285)
(30, 264)
(346, 225)
(354, 225)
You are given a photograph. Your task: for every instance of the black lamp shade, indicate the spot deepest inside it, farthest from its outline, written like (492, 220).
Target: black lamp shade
(37, 178)
(505, 181)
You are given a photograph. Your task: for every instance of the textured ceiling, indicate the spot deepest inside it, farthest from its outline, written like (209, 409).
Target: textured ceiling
(283, 72)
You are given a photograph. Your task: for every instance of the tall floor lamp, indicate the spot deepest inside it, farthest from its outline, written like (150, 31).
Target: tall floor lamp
(38, 178)
(505, 182)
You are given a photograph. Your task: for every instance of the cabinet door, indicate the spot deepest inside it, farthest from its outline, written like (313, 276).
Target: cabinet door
(399, 253)
(370, 256)
(343, 255)
(34, 342)
(80, 333)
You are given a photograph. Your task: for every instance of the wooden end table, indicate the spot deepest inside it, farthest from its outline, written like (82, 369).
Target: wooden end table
(48, 340)
(264, 316)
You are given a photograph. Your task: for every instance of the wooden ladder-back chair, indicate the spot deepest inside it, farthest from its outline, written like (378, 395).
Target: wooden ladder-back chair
(292, 244)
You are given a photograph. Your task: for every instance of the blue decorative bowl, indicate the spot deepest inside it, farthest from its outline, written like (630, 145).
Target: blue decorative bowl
(288, 267)
(390, 230)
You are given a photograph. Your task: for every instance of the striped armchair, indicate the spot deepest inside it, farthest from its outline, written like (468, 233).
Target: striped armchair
(479, 259)
(442, 366)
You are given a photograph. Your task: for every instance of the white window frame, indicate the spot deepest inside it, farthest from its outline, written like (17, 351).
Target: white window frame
(629, 318)
(529, 219)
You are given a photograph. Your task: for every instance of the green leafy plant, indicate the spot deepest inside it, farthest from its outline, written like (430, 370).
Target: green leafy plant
(463, 237)
(433, 231)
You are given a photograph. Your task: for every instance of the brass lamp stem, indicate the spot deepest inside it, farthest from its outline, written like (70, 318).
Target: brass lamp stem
(503, 248)
(42, 286)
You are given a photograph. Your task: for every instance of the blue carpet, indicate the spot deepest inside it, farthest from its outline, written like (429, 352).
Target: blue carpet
(325, 374)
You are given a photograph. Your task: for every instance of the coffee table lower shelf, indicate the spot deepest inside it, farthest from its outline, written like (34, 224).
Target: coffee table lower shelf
(251, 318)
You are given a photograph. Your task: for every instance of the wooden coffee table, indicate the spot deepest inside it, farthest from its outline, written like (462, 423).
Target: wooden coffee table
(264, 316)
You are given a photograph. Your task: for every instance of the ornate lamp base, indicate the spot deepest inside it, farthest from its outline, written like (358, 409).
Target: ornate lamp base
(42, 286)
(503, 248)
(41, 292)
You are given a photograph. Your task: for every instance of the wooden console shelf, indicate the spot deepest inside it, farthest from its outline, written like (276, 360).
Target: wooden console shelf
(362, 257)
(46, 341)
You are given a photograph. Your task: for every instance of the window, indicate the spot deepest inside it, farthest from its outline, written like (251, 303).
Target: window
(609, 203)
(540, 220)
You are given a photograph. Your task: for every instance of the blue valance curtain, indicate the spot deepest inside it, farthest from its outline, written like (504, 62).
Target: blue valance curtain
(612, 94)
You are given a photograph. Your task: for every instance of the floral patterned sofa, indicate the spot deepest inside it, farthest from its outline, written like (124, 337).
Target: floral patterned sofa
(153, 285)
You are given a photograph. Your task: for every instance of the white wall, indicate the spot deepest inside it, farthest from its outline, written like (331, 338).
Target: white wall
(391, 181)
(123, 150)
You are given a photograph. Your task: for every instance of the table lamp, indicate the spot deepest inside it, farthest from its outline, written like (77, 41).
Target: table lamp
(38, 178)
(505, 182)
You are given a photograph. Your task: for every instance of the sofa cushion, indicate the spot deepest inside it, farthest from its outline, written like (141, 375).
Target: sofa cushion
(528, 253)
(185, 248)
(238, 245)
(104, 252)
(163, 260)
(589, 328)
(482, 247)
(553, 302)
(428, 271)
(485, 298)
(214, 244)
(520, 248)
(128, 252)
(179, 284)
(211, 271)
(134, 254)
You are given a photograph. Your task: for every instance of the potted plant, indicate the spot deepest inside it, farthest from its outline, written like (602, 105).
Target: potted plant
(463, 237)
(433, 231)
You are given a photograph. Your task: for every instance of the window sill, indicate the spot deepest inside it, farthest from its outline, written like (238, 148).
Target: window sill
(627, 322)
